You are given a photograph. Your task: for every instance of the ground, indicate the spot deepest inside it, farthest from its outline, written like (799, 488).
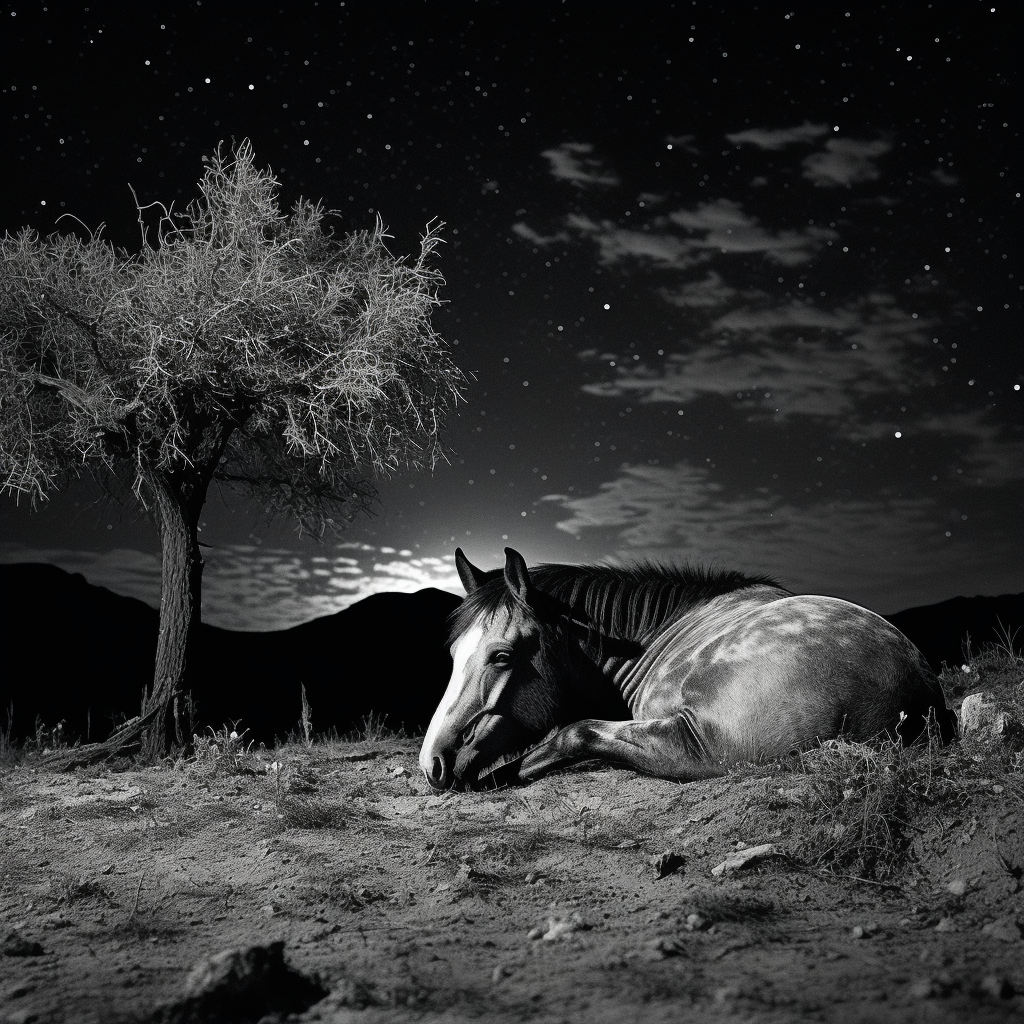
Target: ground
(539, 903)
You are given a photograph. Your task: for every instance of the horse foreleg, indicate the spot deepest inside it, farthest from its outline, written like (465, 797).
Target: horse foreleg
(672, 748)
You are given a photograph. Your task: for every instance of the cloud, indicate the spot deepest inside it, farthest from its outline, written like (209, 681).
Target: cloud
(709, 292)
(571, 161)
(617, 243)
(526, 232)
(943, 177)
(723, 226)
(687, 237)
(787, 361)
(851, 548)
(845, 162)
(779, 138)
(248, 587)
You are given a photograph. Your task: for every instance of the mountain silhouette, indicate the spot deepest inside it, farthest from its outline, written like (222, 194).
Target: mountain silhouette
(947, 631)
(81, 654)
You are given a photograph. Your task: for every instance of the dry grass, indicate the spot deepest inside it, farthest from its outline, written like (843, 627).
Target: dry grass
(863, 798)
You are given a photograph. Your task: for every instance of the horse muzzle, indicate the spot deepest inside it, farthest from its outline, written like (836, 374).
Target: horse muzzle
(479, 756)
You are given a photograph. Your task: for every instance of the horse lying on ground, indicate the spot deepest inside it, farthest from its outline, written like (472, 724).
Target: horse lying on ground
(671, 672)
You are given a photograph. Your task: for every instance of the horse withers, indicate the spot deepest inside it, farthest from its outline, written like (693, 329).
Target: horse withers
(675, 673)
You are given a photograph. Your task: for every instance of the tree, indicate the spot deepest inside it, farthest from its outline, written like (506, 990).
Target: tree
(244, 346)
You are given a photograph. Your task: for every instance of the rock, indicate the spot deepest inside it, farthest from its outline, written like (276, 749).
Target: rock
(863, 931)
(923, 988)
(559, 928)
(667, 863)
(958, 886)
(946, 925)
(746, 857)
(996, 987)
(984, 719)
(696, 923)
(1006, 929)
(665, 947)
(15, 944)
(240, 985)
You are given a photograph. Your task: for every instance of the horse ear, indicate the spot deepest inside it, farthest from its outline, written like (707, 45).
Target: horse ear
(517, 577)
(471, 576)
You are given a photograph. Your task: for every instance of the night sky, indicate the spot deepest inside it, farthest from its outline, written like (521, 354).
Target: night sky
(732, 283)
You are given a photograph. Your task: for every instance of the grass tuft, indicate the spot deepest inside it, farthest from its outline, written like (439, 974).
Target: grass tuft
(859, 805)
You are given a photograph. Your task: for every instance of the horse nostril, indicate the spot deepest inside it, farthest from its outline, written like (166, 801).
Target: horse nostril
(437, 772)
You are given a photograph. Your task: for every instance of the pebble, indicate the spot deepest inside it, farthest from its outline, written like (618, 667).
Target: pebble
(1005, 929)
(664, 948)
(667, 863)
(996, 987)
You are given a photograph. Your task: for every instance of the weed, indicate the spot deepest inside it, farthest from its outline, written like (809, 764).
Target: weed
(373, 729)
(859, 805)
(307, 719)
(225, 748)
(67, 889)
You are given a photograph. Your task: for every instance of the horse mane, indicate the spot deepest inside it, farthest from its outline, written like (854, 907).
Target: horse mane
(627, 602)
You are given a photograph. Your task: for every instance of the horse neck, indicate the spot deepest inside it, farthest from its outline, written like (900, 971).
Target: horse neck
(619, 618)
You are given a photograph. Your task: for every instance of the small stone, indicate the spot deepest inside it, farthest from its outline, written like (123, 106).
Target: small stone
(958, 886)
(667, 863)
(499, 972)
(534, 933)
(997, 987)
(17, 945)
(268, 910)
(946, 925)
(923, 988)
(744, 858)
(696, 923)
(562, 927)
(666, 947)
(1006, 929)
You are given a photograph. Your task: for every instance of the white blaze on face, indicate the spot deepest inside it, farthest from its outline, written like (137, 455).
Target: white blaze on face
(464, 650)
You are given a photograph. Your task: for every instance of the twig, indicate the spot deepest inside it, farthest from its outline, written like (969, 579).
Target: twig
(857, 878)
(138, 891)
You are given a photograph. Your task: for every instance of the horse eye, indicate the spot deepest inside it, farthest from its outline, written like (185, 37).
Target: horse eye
(501, 657)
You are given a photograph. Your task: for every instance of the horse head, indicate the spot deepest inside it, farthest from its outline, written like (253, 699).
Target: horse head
(508, 687)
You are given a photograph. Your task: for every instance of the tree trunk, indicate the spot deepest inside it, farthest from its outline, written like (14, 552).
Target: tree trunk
(178, 500)
(178, 504)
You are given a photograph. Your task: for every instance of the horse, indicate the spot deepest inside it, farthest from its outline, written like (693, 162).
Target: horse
(672, 672)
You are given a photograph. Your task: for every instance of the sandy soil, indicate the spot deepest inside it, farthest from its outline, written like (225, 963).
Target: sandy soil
(540, 903)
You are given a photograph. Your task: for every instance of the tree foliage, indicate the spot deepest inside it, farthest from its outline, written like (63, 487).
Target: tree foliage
(243, 345)
(259, 346)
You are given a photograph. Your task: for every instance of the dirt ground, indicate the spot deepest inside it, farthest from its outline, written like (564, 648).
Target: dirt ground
(540, 903)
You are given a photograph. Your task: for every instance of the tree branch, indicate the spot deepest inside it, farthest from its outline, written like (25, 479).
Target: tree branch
(90, 330)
